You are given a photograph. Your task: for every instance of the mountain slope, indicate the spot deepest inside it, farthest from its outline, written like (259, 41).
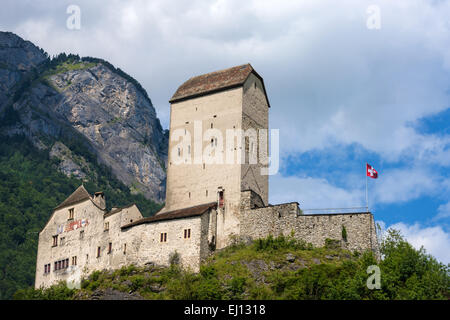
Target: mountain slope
(106, 110)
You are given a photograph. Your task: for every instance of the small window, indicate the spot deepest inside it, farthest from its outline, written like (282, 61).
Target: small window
(62, 241)
(71, 211)
(81, 234)
(179, 152)
(106, 226)
(98, 251)
(67, 262)
(187, 233)
(74, 261)
(109, 247)
(124, 248)
(189, 195)
(212, 142)
(206, 192)
(211, 125)
(164, 237)
(203, 166)
(189, 149)
(221, 200)
(55, 241)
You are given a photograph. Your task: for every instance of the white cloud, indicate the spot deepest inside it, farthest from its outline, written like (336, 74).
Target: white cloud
(443, 211)
(312, 193)
(434, 239)
(405, 184)
(328, 76)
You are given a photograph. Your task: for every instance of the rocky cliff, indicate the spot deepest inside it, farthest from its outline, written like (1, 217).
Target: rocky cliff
(78, 107)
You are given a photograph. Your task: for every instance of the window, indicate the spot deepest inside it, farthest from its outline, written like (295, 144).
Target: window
(206, 192)
(71, 211)
(106, 226)
(81, 234)
(203, 166)
(59, 265)
(189, 149)
(212, 142)
(74, 261)
(47, 268)
(189, 195)
(55, 241)
(98, 252)
(221, 202)
(179, 152)
(187, 233)
(211, 125)
(67, 262)
(109, 247)
(124, 248)
(164, 237)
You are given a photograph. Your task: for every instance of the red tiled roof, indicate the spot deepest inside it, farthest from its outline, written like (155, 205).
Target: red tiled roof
(214, 82)
(175, 214)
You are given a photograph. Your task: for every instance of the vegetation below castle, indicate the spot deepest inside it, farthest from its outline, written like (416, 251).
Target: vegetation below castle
(280, 268)
(31, 187)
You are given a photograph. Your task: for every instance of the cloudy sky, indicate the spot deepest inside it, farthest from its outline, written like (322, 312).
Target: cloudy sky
(349, 82)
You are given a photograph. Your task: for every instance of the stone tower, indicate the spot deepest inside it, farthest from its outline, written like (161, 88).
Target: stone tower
(207, 112)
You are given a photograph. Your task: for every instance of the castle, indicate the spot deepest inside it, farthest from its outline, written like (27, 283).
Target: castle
(209, 203)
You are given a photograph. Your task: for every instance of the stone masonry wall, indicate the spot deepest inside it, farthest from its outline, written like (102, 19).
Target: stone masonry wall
(285, 219)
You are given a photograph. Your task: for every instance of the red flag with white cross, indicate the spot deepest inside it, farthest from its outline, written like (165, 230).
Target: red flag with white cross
(371, 172)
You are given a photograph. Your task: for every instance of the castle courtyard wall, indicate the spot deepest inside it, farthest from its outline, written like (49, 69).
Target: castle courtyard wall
(287, 219)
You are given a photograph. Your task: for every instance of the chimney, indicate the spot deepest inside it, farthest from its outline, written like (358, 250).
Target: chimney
(99, 199)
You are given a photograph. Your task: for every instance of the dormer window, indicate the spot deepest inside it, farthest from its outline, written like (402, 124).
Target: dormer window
(71, 212)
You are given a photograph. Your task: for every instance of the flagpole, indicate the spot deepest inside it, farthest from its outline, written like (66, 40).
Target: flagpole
(367, 191)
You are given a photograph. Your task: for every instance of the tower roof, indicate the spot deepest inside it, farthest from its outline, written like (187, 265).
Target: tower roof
(78, 195)
(214, 82)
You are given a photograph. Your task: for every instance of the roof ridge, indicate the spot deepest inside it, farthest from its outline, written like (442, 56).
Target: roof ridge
(212, 82)
(80, 194)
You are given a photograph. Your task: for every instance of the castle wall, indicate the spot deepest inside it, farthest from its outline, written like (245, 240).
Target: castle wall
(193, 183)
(81, 240)
(255, 115)
(285, 219)
(136, 245)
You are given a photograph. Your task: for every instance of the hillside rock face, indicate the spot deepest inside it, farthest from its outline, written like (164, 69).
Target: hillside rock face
(17, 57)
(115, 120)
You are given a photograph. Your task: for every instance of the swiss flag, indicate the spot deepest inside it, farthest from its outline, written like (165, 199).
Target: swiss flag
(371, 172)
